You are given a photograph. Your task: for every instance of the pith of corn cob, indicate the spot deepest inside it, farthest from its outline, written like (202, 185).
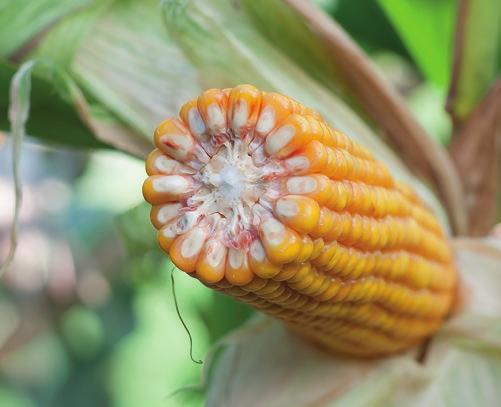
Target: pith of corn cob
(256, 196)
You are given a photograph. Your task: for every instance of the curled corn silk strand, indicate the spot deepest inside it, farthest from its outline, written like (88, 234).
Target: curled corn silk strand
(176, 304)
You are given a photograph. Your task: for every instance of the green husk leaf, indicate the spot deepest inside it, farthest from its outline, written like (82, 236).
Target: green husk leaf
(426, 28)
(22, 103)
(462, 366)
(123, 57)
(52, 116)
(85, 125)
(62, 41)
(22, 20)
(124, 74)
(370, 28)
(300, 45)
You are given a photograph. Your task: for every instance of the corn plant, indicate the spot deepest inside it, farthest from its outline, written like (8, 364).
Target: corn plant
(295, 179)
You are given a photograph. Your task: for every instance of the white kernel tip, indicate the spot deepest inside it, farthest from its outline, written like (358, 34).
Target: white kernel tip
(166, 165)
(273, 231)
(174, 184)
(240, 115)
(301, 185)
(193, 243)
(169, 232)
(236, 258)
(168, 212)
(287, 208)
(257, 251)
(215, 117)
(182, 142)
(266, 121)
(279, 139)
(215, 253)
(197, 125)
(297, 163)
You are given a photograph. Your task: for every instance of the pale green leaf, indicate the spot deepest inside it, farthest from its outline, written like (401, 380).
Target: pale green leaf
(21, 20)
(301, 44)
(426, 28)
(53, 117)
(122, 56)
(62, 40)
(477, 55)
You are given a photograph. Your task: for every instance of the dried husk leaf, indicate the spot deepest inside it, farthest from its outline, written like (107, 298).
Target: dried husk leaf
(476, 149)
(477, 46)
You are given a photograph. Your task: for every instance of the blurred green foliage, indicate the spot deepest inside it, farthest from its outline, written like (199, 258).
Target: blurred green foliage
(479, 64)
(426, 27)
(368, 25)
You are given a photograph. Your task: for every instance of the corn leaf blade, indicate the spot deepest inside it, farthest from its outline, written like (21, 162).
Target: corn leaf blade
(22, 20)
(123, 58)
(426, 28)
(52, 117)
(478, 44)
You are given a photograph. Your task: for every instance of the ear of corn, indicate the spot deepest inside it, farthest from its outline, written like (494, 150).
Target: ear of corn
(256, 196)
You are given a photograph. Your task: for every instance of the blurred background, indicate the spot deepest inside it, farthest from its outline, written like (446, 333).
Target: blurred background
(87, 316)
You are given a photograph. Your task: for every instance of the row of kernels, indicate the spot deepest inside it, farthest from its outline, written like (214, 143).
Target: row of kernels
(297, 130)
(374, 316)
(340, 165)
(341, 345)
(358, 198)
(322, 132)
(368, 315)
(370, 234)
(397, 298)
(392, 296)
(356, 318)
(399, 266)
(346, 195)
(284, 245)
(304, 215)
(312, 156)
(425, 218)
(364, 336)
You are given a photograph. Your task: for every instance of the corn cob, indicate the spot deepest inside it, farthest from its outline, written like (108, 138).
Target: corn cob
(256, 196)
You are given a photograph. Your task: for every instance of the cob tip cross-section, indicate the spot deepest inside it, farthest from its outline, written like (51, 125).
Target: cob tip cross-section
(255, 195)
